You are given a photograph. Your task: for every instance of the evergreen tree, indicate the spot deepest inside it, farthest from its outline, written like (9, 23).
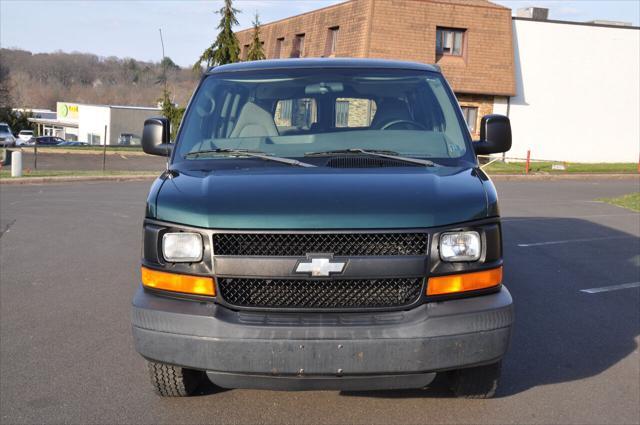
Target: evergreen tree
(226, 48)
(172, 112)
(256, 51)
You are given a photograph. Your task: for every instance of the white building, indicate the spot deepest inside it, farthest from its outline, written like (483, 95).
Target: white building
(578, 91)
(90, 123)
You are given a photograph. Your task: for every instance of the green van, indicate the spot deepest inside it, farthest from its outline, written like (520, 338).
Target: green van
(323, 224)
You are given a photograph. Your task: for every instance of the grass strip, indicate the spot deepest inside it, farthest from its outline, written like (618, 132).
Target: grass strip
(630, 201)
(499, 167)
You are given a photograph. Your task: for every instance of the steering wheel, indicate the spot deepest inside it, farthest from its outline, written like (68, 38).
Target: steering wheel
(396, 122)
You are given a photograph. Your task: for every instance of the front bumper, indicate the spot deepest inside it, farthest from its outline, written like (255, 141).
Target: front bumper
(400, 349)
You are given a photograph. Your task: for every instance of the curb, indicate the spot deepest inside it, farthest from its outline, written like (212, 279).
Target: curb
(67, 179)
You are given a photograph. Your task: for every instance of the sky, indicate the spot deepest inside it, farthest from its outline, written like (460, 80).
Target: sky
(130, 28)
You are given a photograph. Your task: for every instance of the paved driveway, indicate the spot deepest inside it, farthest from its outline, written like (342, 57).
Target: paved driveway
(69, 258)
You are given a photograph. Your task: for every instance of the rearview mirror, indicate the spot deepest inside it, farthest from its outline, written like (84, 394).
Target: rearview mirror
(155, 136)
(495, 135)
(324, 88)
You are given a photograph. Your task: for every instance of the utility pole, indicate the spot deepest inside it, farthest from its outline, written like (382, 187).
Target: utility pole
(164, 63)
(104, 151)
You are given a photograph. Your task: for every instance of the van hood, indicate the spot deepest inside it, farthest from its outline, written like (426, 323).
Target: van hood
(322, 198)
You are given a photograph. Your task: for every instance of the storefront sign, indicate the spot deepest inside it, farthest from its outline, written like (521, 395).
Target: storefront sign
(68, 111)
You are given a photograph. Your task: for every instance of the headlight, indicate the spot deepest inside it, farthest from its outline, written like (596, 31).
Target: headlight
(460, 246)
(182, 247)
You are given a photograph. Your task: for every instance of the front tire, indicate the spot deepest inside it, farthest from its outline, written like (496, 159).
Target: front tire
(173, 381)
(475, 382)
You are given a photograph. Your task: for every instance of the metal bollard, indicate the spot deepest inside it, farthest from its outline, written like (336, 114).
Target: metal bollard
(16, 164)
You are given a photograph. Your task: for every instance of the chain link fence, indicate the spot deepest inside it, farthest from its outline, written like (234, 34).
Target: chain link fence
(42, 160)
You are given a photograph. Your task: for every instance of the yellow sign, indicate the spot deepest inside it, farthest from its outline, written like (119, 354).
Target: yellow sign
(68, 111)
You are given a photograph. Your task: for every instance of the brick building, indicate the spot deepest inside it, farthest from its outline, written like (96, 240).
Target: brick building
(471, 40)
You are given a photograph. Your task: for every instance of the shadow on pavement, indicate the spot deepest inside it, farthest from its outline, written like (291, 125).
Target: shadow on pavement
(561, 334)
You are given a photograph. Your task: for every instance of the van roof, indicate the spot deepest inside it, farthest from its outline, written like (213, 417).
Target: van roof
(322, 63)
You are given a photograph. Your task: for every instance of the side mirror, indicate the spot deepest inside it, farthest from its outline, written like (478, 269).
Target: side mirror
(155, 136)
(495, 135)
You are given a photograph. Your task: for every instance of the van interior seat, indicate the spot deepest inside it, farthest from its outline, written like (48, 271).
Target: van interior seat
(390, 110)
(254, 121)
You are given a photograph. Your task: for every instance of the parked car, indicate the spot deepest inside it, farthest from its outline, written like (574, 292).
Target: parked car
(297, 241)
(25, 135)
(28, 142)
(73, 143)
(6, 136)
(48, 140)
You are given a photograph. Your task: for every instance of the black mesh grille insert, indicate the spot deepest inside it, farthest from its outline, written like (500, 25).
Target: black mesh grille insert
(300, 244)
(320, 294)
(366, 162)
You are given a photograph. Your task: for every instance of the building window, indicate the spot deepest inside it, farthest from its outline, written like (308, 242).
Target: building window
(342, 113)
(354, 112)
(279, 43)
(471, 117)
(332, 41)
(245, 52)
(449, 41)
(299, 113)
(93, 139)
(298, 46)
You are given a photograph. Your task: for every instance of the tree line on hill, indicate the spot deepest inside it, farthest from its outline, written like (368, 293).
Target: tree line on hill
(40, 80)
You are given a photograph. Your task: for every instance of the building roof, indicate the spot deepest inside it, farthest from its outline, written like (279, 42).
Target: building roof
(473, 3)
(600, 24)
(322, 63)
(95, 105)
(59, 123)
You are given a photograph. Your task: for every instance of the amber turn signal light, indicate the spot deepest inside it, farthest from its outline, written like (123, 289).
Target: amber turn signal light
(456, 283)
(186, 284)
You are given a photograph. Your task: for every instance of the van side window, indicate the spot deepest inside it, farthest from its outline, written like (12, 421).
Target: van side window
(295, 114)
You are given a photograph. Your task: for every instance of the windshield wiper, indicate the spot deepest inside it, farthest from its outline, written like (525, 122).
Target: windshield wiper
(252, 154)
(378, 153)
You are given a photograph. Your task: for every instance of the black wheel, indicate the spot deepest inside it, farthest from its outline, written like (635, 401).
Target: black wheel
(475, 382)
(172, 381)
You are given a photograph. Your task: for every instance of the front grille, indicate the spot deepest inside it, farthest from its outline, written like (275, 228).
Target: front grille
(338, 244)
(319, 293)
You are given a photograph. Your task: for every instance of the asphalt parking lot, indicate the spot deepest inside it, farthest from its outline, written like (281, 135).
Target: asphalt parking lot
(69, 257)
(84, 161)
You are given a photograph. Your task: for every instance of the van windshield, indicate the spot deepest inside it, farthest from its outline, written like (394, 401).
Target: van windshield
(296, 112)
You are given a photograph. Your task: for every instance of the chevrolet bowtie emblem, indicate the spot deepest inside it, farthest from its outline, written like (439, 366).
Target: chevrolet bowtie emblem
(320, 266)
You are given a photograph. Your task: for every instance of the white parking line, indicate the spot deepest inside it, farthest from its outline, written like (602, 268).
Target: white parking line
(511, 219)
(575, 241)
(611, 288)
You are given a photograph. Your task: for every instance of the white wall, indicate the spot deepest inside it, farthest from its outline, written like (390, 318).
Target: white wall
(92, 120)
(578, 92)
